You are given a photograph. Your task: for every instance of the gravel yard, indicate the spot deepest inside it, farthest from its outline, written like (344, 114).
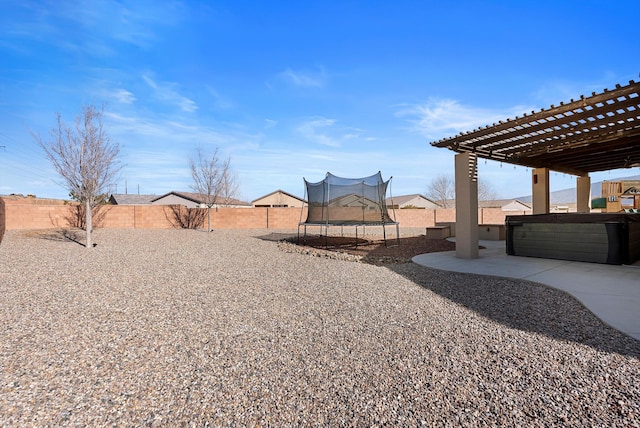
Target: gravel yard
(183, 327)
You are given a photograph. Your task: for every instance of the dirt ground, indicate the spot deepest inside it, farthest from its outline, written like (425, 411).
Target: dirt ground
(375, 249)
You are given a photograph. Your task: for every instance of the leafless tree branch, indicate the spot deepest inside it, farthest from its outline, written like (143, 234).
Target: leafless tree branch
(212, 179)
(442, 189)
(229, 185)
(85, 157)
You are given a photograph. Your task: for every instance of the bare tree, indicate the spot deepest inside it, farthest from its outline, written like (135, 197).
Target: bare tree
(486, 191)
(186, 218)
(229, 186)
(442, 189)
(85, 157)
(212, 179)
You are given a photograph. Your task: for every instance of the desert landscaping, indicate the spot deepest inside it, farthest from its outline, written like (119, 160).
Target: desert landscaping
(233, 327)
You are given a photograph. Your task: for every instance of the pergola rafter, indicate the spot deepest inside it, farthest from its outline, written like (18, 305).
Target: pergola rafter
(596, 133)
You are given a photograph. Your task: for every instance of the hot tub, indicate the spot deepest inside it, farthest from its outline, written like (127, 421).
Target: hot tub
(611, 238)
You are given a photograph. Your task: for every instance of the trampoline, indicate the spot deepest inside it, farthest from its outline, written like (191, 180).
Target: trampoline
(348, 202)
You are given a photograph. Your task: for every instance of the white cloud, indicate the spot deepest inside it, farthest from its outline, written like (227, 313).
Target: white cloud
(123, 96)
(270, 123)
(328, 133)
(134, 22)
(92, 27)
(552, 92)
(167, 92)
(187, 105)
(149, 81)
(438, 118)
(156, 148)
(219, 101)
(313, 130)
(304, 78)
(167, 134)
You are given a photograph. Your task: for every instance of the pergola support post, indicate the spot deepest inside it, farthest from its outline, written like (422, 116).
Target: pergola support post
(466, 166)
(583, 194)
(540, 190)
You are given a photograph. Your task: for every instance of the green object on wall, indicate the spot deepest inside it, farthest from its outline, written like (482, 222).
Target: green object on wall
(599, 203)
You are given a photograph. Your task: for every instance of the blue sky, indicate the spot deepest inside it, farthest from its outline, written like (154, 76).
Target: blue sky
(293, 89)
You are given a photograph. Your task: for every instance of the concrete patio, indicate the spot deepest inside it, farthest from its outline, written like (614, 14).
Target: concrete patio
(611, 292)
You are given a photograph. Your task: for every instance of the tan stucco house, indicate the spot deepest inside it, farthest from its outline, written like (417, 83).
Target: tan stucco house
(279, 198)
(412, 201)
(506, 205)
(196, 200)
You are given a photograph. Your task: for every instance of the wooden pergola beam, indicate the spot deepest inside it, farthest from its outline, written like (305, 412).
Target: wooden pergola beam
(605, 126)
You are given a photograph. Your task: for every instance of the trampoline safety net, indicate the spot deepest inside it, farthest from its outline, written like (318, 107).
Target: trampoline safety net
(339, 201)
(348, 201)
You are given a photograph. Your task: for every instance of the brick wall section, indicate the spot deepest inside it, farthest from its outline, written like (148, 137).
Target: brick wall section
(495, 216)
(35, 216)
(2, 219)
(239, 218)
(153, 217)
(415, 218)
(138, 217)
(285, 218)
(23, 214)
(446, 215)
(485, 215)
(118, 216)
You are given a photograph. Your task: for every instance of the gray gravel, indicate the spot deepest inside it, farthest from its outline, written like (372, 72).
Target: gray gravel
(181, 327)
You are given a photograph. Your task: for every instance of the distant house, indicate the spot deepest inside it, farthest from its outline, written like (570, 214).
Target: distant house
(505, 205)
(196, 200)
(516, 205)
(279, 198)
(127, 199)
(352, 200)
(411, 201)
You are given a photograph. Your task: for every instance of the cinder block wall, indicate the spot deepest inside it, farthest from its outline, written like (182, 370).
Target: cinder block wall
(36, 216)
(136, 217)
(415, 217)
(16, 214)
(284, 218)
(446, 215)
(2, 219)
(118, 216)
(151, 217)
(495, 215)
(240, 218)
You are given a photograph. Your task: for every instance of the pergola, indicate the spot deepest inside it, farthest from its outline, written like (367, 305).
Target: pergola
(596, 133)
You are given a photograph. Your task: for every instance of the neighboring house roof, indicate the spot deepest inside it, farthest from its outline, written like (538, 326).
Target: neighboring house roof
(127, 199)
(516, 205)
(192, 197)
(505, 204)
(199, 198)
(276, 192)
(352, 200)
(415, 199)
